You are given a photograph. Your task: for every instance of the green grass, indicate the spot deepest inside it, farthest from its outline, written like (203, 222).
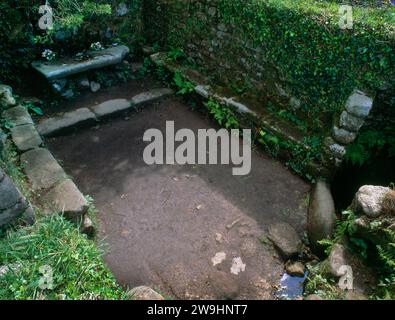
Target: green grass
(76, 262)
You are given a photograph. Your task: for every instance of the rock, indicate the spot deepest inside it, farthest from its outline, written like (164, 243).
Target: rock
(337, 151)
(83, 83)
(359, 105)
(68, 94)
(121, 9)
(41, 168)
(111, 107)
(285, 239)
(3, 140)
(313, 297)
(321, 216)
(95, 86)
(350, 122)
(64, 68)
(14, 267)
(295, 268)
(65, 122)
(369, 200)
(25, 137)
(65, 198)
(6, 98)
(17, 116)
(225, 285)
(12, 202)
(337, 258)
(144, 293)
(202, 91)
(150, 96)
(87, 227)
(343, 136)
(59, 85)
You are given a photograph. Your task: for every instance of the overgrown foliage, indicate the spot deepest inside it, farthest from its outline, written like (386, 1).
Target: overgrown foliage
(54, 244)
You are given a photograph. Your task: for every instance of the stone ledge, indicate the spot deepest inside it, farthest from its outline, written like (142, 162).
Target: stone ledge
(17, 116)
(60, 124)
(66, 198)
(67, 67)
(25, 137)
(111, 107)
(41, 168)
(151, 96)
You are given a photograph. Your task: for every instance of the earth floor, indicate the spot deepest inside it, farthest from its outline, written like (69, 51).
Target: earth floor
(162, 225)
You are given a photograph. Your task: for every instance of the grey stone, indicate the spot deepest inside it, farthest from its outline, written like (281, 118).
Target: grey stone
(121, 9)
(313, 297)
(358, 104)
(65, 198)
(111, 107)
(144, 293)
(59, 85)
(25, 137)
(41, 168)
(6, 98)
(17, 116)
(239, 107)
(3, 140)
(59, 124)
(285, 239)
(369, 200)
(64, 68)
(28, 216)
(9, 193)
(202, 91)
(12, 202)
(343, 136)
(295, 268)
(224, 284)
(83, 83)
(68, 94)
(151, 96)
(350, 122)
(95, 86)
(337, 150)
(321, 214)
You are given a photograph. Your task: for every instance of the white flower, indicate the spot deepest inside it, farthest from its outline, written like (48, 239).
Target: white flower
(96, 46)
(48, 54)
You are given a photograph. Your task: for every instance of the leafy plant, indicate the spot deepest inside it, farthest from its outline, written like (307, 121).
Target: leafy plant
(184, 86)
(224, 115)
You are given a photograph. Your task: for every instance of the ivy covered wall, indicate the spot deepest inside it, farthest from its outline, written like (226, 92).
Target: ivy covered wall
(291, 55)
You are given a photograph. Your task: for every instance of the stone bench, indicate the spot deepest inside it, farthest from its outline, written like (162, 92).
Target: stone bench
(57, 71)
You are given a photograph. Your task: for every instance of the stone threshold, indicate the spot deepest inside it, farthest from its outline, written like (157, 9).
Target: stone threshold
(268, 122)
(87, 116)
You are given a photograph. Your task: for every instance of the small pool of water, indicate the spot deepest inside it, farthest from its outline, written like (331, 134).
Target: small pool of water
(291, 286)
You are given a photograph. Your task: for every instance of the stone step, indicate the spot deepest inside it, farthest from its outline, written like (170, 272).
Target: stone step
(60, 124)
(113, 107)
(63, 68)
(42, 169)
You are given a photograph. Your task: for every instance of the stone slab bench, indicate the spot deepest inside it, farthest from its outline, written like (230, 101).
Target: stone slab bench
(63, 68)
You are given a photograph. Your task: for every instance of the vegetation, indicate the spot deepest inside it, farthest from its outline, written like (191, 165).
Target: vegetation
(74, 262)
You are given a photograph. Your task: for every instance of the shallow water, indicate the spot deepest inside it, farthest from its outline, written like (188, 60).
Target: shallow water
(291, 286)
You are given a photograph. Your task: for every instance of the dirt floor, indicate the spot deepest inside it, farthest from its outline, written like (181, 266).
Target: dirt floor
(166, 226)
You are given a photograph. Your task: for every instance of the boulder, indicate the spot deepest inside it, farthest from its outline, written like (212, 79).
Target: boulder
(12, 203)
(144, 293)
(351, 122)
(285, 239)
(337, 258)
(343, 136)
(95, 86)
(7, 100)
(321, 214)
(369, 200)
(17, 116)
